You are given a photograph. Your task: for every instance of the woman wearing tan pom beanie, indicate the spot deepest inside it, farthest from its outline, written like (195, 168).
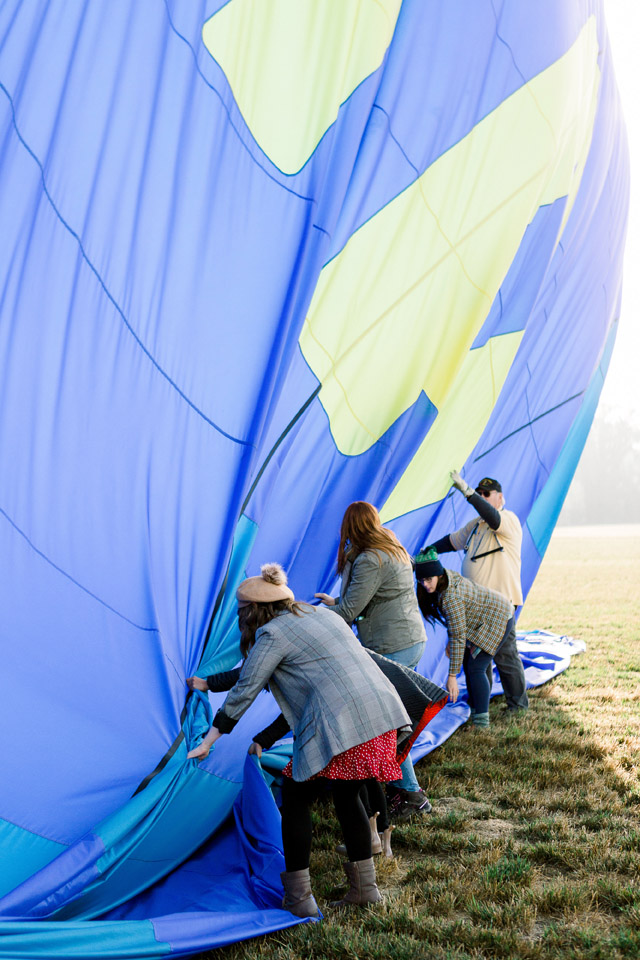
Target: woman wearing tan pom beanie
(344, 714)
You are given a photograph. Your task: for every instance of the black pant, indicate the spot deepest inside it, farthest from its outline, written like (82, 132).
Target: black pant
(297, 797)
(514, 683)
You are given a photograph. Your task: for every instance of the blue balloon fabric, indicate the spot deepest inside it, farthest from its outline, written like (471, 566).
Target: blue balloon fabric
(228, 308)
(227, 892)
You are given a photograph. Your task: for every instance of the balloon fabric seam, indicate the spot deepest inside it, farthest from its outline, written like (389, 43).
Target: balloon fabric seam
(77, 583)
(111, 298)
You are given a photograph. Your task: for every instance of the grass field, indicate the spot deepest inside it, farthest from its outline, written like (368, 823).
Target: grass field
(533, 849)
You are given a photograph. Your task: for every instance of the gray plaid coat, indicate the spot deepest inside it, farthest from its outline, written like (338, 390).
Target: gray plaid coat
(329, 689)
(475, 615)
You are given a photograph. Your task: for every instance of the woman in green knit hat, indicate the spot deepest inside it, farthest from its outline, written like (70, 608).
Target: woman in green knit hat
(478, 622)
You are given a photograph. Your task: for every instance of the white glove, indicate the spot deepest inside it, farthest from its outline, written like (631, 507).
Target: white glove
(461, 484)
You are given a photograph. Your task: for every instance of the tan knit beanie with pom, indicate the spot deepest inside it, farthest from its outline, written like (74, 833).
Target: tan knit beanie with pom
(270, 586)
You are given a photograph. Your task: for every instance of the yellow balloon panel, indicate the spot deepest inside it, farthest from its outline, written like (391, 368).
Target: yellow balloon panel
(457, 428)
(431, 262)
(291, 63)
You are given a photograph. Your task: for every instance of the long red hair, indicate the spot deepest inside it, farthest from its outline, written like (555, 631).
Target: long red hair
(362, 530)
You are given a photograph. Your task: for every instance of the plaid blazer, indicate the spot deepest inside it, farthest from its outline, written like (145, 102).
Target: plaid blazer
(475, 615)
(417, 693)
(330, 691)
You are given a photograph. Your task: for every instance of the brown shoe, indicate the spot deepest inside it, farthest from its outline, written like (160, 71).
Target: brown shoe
(363, 889)
(407, 804)
(298, 898)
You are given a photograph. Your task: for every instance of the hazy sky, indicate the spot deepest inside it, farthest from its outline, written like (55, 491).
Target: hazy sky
(622, 386)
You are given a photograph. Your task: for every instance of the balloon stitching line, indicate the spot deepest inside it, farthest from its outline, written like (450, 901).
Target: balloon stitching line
(165, 759)
(72, 579)
(109, 295)
(525, 425)
(526, 397)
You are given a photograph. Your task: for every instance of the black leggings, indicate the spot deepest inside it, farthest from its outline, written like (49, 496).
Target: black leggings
(297, 797)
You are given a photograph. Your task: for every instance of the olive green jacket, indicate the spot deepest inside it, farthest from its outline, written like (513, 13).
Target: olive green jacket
(378, 595)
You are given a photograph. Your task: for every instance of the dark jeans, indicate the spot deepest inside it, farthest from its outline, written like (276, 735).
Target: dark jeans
(507, 660)
(476, 671)
(297, 798)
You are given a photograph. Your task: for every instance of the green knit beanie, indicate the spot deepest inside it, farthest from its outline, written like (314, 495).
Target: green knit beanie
(427, 565)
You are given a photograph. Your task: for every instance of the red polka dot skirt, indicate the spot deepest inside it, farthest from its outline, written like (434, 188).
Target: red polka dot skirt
(373, 760)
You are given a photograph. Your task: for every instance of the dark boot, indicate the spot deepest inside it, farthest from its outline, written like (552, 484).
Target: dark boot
(298, 898)
(363, 889)
(407, 803)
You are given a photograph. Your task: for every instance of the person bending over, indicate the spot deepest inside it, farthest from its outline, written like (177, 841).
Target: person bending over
(344, 715)
(479, 622)
(421, 698)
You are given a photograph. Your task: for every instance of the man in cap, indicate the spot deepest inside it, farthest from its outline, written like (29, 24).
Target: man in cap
(492, 545)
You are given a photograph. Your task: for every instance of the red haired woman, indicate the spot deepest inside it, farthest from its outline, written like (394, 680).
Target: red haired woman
(378, 596)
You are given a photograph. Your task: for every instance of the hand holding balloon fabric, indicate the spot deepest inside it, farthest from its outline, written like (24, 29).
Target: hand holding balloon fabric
(202, 750)
(326, 599)
(197, 683)
(460, 484)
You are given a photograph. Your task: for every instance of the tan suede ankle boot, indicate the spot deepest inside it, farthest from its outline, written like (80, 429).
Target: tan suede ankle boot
(376, 842)
(298, 898)
(376, 839)
(385, 841)
(363, 889)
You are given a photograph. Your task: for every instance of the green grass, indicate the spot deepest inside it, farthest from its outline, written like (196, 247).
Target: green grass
(533, 849)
